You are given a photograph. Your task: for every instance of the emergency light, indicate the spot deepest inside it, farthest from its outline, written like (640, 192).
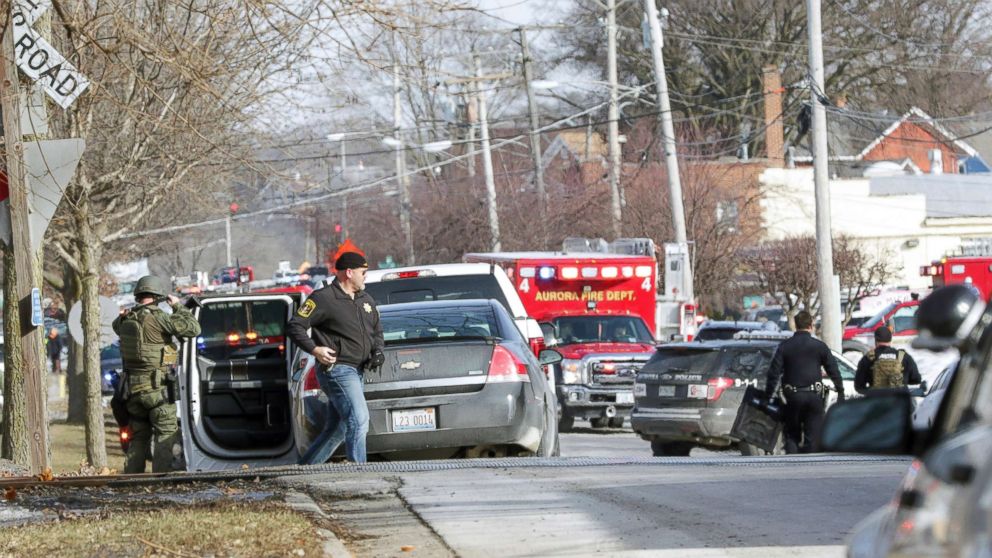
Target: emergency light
(547, 272)
(569, 273)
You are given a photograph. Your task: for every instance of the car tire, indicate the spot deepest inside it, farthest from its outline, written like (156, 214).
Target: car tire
(549, 440)
(616, 422)
(566, 422)
(670, 449)
(598, 422)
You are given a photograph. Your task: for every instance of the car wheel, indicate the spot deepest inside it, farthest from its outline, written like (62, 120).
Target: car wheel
(549, 441)
(566, 422)
(599, 422)
(670, 449)
(616, 422)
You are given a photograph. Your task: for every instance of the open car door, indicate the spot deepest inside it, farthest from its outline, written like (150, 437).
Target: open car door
(235, 407)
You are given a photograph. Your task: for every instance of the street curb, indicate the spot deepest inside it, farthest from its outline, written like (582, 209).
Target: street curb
(333, 546)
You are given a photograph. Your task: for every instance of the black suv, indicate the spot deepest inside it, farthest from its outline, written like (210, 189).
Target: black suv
(688, 394)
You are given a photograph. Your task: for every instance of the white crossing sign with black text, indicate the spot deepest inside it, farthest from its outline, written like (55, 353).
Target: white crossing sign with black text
(39, 60)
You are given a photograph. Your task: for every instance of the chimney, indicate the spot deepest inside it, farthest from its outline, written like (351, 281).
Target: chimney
(774, 131)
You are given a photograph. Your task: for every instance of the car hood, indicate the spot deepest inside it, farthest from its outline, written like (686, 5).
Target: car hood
(579, 350)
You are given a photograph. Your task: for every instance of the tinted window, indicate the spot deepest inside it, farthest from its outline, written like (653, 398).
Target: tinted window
(617, 329)
(747, 362)
(438, 323)
(244, 329)
(679, 359)
(418, 289)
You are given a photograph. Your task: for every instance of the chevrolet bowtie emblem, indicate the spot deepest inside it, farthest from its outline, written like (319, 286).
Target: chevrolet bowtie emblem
(410, 365)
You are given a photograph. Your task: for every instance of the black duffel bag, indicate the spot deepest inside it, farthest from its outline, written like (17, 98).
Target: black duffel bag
(759, 421)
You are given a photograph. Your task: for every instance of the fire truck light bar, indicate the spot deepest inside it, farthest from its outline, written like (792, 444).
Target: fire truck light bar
(546, 272)
(608, 272)
(931, 270)
(627, 271)
(643, 271)
(527, 271)
(569, 273)
(589, 272)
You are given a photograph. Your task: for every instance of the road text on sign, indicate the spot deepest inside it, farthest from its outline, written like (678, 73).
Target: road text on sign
(39, 60)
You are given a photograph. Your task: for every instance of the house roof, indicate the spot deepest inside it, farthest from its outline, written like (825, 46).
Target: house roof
(851, 136)
(947, 195)
(574, 141)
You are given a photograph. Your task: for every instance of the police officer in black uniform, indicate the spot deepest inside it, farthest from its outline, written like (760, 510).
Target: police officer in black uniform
(797, 363)
(346, 339)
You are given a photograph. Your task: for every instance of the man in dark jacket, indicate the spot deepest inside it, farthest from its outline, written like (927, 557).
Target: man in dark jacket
(346, 339)
(885, 367)
(797, 363)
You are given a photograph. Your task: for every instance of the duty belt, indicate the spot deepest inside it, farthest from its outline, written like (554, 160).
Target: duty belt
(818, 387)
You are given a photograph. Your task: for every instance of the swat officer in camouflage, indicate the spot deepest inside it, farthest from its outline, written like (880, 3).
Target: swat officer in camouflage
(885, 367)
(148, 336)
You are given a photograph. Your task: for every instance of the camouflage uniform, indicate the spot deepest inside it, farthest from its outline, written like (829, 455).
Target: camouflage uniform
(148, 350)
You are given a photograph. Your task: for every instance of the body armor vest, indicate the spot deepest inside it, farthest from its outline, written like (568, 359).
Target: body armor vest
(886, 370)
(146, 349)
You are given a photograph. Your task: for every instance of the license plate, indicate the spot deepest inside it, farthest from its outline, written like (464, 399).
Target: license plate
(640, 390)
(625, 398)
(415, 419)
(697, 391)
(666, 391)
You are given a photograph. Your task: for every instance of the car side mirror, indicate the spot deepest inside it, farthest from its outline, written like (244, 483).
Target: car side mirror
(549, 356)
(879, 423)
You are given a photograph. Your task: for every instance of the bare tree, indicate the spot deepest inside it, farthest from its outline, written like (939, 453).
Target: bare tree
(786, 270)
(173, 98)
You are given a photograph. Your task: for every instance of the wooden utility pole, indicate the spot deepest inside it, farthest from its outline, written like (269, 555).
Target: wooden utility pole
(668, 140)
(829, 295)
(24, 277)
(535, 136)
(616, 205)
(487, 160)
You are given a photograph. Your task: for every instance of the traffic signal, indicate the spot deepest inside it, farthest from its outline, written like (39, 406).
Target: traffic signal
(337, 227)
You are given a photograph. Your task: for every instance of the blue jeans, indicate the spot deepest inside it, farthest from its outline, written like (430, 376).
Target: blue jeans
(347, 415)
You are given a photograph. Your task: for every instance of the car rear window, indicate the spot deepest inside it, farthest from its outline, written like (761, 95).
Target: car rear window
(684, 359)
(245, 329)
(418, 289)
(438, 323)
(716, 333)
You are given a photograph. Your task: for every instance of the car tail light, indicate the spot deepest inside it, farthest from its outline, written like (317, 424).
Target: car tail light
(537, 345)
(506, 367)
(233, 338)
(251, 337)
(310, 384)
(125, 437)
(716, 387)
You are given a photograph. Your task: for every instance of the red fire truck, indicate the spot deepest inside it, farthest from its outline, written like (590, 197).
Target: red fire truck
(598, 310)
(973, 270)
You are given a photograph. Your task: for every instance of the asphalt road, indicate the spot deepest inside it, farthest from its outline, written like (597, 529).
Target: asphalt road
(594, 503)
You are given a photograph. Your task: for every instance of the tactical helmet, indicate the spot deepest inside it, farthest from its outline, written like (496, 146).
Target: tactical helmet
(149, 285)
(947, 316)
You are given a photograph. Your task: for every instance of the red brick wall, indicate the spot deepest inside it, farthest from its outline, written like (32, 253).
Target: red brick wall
(914, 141)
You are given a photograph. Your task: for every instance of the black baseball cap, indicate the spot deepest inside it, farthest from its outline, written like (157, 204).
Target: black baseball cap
(883, 335)
(350, 260)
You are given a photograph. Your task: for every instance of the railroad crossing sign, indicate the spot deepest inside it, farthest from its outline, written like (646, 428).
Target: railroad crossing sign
(39, 60)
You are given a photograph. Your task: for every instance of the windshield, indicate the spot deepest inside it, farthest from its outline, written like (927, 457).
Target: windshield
(877, 318)
(601, 329)
(438, 323)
